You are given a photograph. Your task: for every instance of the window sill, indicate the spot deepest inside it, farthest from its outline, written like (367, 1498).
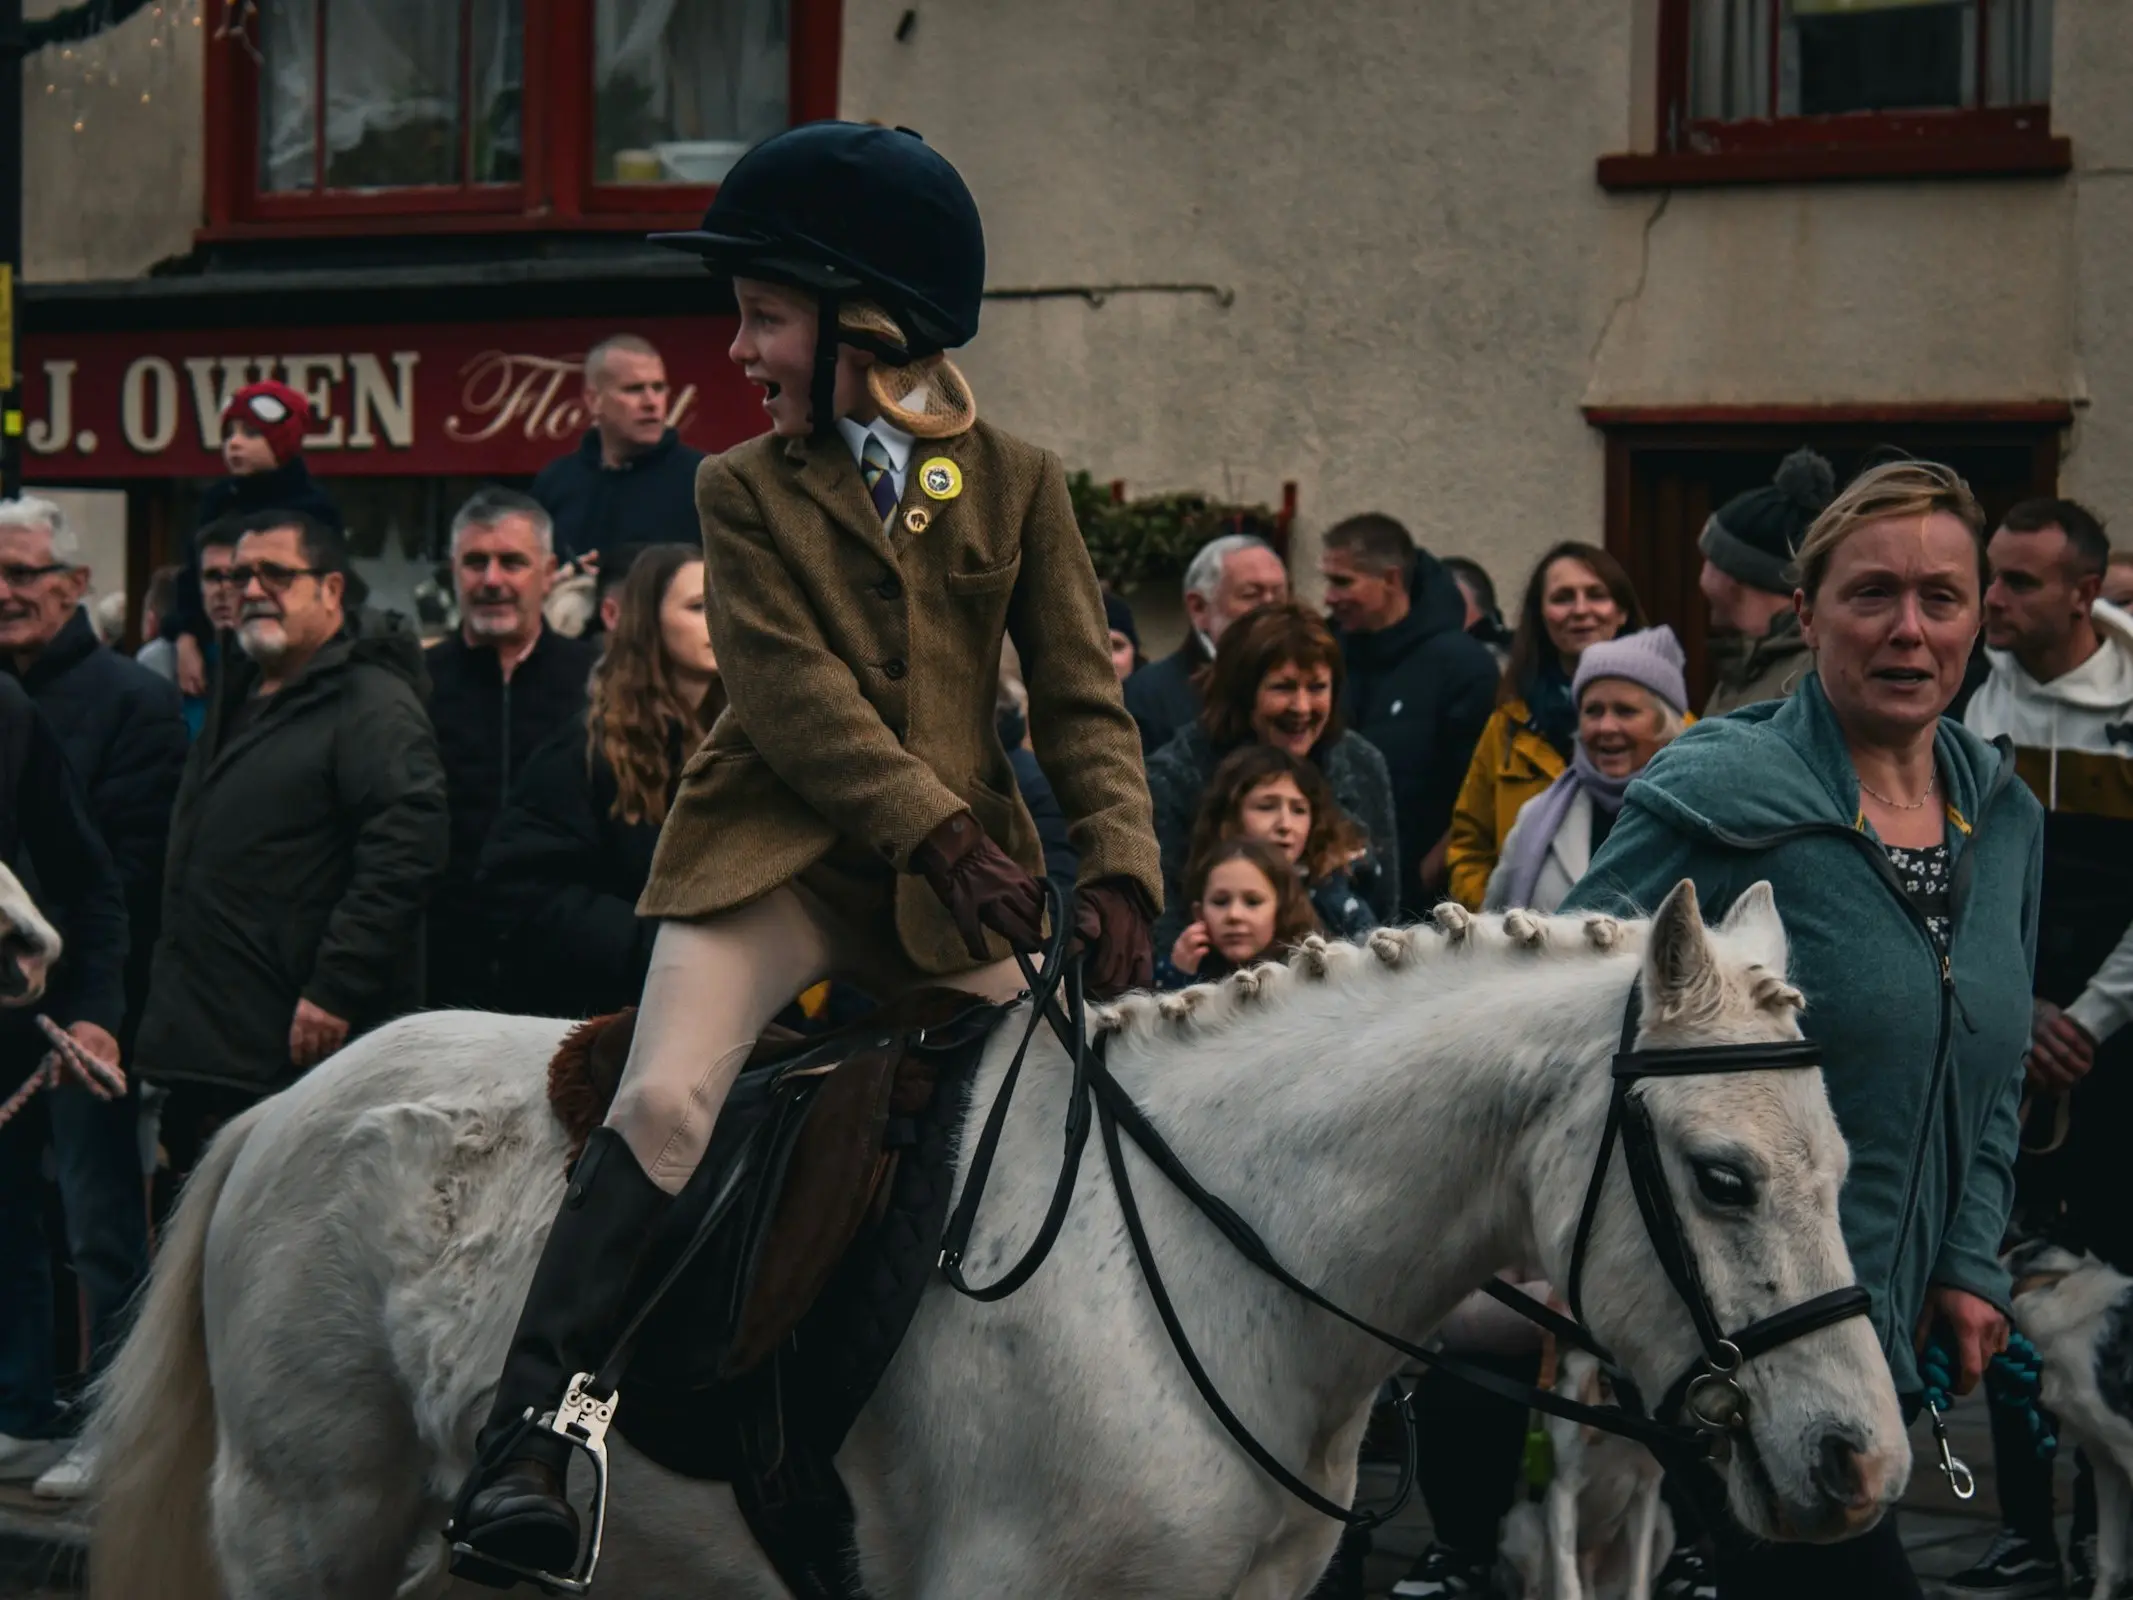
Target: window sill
(2021, 156)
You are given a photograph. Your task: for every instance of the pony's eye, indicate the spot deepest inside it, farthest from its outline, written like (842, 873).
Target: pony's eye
(1723, 1185)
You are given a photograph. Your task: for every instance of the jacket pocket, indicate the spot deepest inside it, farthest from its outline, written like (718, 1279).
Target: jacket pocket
(986, 580)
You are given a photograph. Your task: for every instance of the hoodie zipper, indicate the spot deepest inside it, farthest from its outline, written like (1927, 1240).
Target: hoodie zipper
(1936, 1088)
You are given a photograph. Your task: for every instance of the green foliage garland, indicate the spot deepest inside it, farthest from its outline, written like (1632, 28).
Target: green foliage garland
(1138, 541)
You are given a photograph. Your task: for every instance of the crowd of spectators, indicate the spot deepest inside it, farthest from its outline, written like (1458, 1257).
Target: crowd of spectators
(290, 820)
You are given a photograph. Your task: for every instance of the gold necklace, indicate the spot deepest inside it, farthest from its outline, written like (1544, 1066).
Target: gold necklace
(1899, 805)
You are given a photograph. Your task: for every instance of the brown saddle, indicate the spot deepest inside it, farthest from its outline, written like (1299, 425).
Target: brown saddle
(841, 1166)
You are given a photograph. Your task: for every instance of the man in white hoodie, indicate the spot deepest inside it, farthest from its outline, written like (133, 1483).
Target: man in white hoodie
(2061, 688)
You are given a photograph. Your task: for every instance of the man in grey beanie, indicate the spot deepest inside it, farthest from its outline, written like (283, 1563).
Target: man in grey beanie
(1747, 579)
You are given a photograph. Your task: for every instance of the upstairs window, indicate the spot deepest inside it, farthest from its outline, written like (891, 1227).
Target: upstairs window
(499, 113)
(1788, 89)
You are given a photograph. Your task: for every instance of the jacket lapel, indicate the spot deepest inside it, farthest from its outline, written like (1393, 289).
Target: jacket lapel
(827, 475)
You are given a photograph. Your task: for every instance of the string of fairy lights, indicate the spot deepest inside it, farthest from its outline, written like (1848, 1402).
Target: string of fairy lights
(127, 65)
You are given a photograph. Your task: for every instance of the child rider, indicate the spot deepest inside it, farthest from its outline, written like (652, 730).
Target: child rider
(852, 813)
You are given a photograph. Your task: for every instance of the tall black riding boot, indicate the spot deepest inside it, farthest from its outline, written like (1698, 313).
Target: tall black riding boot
(515, 1509)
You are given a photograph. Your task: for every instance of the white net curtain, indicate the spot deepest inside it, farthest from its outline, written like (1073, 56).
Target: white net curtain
(682, 87)
(396, 109)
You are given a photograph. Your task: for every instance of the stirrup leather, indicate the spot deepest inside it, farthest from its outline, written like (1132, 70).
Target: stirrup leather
(581, 1422)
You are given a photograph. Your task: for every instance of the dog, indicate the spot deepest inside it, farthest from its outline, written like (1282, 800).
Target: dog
(1601, 1530)
(2079, 1314)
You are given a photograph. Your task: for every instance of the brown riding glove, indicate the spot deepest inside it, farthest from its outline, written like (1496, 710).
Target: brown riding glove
(1112, 921)
(981, 885)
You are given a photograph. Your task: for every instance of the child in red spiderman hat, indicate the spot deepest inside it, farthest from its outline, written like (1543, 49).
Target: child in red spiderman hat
(263, 429)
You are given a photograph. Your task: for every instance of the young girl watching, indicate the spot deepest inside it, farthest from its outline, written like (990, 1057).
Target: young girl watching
(1263, 792)
(1248, 904)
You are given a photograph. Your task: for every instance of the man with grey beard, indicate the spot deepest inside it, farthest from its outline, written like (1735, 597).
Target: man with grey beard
(501, 686)
(309, 832)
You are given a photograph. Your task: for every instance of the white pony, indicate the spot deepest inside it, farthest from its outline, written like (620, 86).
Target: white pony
(29, 945)
(1398, 1119)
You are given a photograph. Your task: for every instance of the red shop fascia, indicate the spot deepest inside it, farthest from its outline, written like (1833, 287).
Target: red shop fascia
(419, 392)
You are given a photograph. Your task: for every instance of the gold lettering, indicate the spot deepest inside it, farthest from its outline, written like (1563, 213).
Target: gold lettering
(313, 377)
(392, 405)
(149, 423)
(53, 433)
(211, 399)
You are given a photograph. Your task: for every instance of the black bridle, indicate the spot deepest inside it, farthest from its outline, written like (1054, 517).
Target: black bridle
(1708, 1395)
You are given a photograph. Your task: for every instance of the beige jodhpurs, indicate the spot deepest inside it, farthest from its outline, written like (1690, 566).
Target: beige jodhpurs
(714, 985)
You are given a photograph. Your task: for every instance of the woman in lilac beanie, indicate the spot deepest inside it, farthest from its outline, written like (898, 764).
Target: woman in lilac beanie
(1632, 699)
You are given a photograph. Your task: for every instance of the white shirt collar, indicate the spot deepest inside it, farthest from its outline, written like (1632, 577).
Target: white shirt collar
(893, 439)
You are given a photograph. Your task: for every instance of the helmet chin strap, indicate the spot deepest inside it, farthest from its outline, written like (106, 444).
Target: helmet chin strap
(822, 393)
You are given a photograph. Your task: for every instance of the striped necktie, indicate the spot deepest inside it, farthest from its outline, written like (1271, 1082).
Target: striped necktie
(881, 483)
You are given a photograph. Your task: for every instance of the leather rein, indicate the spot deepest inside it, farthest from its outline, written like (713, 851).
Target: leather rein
(1708, 1395)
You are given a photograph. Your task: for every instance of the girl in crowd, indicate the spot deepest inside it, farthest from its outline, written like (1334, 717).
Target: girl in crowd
(1632, 700)
(1905, 856)
(573, 849)
(1248, 904)
(1262, 792)
(1578, 596)
(1276, 680)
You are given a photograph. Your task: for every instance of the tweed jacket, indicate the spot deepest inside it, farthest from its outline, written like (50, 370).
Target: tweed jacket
(862, 667)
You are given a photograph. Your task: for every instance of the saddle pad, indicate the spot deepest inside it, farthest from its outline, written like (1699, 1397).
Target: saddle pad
(798, 1405)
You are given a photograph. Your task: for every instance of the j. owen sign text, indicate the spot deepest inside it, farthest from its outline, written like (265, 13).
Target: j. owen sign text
(470, 399)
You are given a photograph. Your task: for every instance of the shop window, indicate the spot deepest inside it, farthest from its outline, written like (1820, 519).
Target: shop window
(499, 113)
(1783, 90)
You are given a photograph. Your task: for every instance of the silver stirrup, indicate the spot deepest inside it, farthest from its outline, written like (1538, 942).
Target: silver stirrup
(580, 1422)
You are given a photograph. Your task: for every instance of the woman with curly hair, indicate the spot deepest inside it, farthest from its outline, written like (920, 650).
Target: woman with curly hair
(1263, 792)
(573, 849)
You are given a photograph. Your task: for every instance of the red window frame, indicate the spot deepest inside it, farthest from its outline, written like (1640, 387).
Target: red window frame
(1978, 141)
(557, 190)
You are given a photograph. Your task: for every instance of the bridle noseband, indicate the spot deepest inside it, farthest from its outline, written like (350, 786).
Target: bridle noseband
(1709, 1394)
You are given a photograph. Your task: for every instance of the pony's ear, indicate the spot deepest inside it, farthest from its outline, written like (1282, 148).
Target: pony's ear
(1680, 970)
(1755, 926)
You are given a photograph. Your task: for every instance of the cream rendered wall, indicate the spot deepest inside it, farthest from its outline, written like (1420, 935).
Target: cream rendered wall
(1427, 280)
(124, 192)
(1399, 196)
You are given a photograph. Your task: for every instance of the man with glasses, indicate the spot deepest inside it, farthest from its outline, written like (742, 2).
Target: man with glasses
(500, 686)
(117, 726)
(309, 832)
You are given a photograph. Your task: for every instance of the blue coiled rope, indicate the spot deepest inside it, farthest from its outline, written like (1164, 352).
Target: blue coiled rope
(2014, 1384)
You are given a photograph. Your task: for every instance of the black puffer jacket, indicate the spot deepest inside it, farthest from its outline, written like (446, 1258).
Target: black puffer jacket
(1421, 691)
(124, 734)
(303, 848)
(488, 728)
(652, 500)
(46, 838)
(560, 880)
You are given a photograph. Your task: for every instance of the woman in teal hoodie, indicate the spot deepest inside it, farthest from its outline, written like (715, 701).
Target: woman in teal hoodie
(1906, 861)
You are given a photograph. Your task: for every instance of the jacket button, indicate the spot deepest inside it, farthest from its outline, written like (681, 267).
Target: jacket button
(893, 668)
(890, 588)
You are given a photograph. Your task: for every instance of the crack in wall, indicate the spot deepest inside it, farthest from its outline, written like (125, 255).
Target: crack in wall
(1644, 268)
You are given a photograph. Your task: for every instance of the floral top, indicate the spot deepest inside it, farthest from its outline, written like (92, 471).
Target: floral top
(1927, 884)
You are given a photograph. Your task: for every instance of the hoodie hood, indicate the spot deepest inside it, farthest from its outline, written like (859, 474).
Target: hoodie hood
(1803, 772)
(2104, 682)
(1435, 604)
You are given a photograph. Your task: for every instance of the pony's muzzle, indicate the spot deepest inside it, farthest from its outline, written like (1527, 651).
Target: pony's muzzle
(1853, 1483)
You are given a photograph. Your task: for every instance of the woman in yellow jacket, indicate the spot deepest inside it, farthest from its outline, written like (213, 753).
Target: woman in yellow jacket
(1578, 596)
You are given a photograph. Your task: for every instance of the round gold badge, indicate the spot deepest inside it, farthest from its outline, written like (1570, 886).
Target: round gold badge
(940, 479)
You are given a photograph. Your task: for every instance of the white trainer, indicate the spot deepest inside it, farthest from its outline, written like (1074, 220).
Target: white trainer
(71, 1477)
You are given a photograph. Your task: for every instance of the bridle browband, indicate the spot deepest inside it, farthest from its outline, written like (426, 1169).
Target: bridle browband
(1708, 1395)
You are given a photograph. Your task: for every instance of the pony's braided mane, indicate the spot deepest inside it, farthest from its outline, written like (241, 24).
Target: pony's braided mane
(1452, 933)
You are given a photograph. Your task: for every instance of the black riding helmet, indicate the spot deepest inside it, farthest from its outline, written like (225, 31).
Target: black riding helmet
(849, 210)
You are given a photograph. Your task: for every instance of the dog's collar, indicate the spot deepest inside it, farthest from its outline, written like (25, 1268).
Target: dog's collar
(2037, 1280)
